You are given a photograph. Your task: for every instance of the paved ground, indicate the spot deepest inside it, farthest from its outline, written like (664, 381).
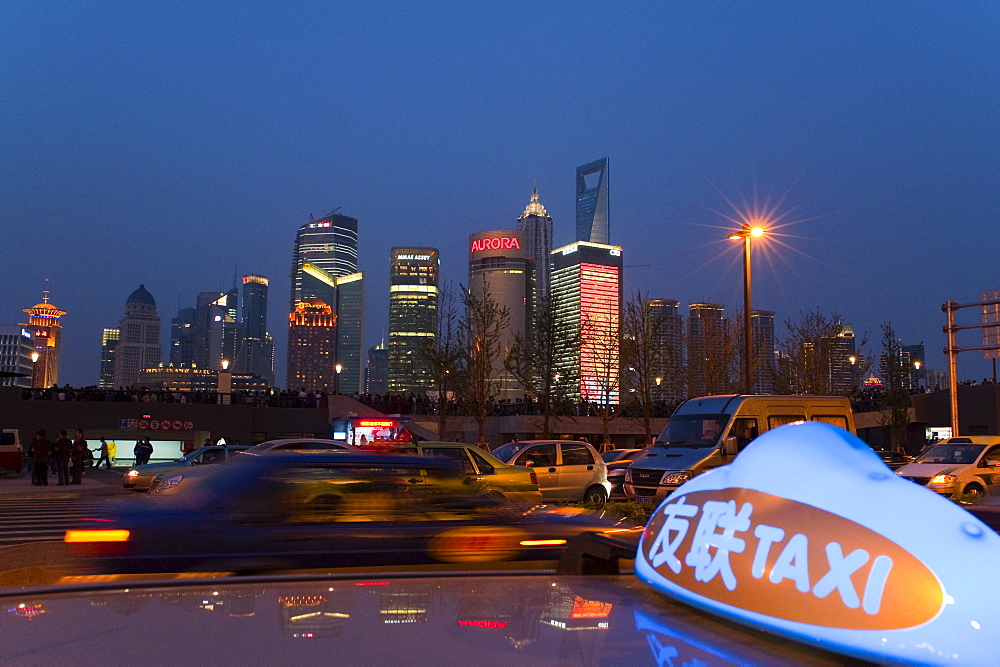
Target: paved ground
(95, 482)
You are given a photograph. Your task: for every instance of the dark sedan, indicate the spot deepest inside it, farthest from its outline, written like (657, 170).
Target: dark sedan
(618, 460)
(326, 510)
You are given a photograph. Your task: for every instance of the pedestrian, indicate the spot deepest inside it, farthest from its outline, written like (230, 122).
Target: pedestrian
(40, 449)
(105, 455)
(146, 450)
(78, 454)
(61, 454)
(137, 452)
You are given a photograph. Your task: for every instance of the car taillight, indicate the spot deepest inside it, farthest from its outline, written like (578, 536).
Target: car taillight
(111, 542)
(534, 478)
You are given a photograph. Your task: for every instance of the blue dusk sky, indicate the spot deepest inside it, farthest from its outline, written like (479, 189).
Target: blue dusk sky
(173, 144)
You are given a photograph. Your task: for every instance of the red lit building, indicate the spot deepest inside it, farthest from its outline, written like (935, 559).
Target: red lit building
(312, 347)
(43, 324)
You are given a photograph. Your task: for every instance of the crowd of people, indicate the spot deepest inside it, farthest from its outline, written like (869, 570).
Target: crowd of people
(271, 398)
(61, 458)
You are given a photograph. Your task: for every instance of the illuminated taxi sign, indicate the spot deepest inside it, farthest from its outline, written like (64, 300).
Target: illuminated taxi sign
(496, 243)
(808, 534)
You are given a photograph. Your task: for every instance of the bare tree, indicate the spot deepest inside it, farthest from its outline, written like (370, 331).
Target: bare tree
(535, 363)
(442, 354)
(641, 355)
(894, 401)
(810, 361)
(601, 368)
(482, 355)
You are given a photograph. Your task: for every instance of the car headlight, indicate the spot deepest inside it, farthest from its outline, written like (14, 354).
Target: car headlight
(132, 473)
(169, 482)
(944, 479)
(675, 477)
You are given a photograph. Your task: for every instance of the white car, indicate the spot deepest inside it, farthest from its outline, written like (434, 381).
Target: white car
(966, 466)
(566, 469)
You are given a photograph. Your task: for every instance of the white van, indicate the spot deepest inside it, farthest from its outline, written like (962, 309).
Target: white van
(966, 466)
(708, 432)
(11, 456)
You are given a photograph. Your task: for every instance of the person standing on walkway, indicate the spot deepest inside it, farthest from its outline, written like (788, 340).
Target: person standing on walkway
(79, 452)
(61, 453)
(105, 455)
(40, 449)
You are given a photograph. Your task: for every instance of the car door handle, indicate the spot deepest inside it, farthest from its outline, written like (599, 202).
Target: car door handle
(414, 480)
(590, 467)
(552, 469)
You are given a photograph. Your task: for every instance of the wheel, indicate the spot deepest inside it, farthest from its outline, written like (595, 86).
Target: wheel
(972, 492)
(595, 495)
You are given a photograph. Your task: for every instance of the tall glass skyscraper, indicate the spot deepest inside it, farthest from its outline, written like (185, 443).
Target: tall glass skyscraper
(592, 202)
(586, 282)
(330, 243)
(413, 302)
(707, 373)
(669, 367)
(762, 324)
(256, 352)
(536, 225)
(109, 341)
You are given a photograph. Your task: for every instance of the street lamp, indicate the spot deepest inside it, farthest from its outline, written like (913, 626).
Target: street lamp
(745, 234)
(336, 378)
(225, 383)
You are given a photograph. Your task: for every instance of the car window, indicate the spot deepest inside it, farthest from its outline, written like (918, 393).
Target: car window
(836, 420)
(951, 454)
(211, 456)
(485, 467)
(452, 454)
(538, 455)
(745, 430)
(993, 456)
(774, 421)
(576, 455)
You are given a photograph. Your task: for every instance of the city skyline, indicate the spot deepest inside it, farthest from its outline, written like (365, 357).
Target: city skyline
(175, 148)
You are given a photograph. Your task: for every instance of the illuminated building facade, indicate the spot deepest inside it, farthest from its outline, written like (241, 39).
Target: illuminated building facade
(498, 266)
(668, 327)
(16, 345)
(109, 341)
(840, 350)
(43, 323)
(592, 202)
(312, 347)
(139, 339)
(413, 312)
(325, 267)
(706, 349)
(255, 355)
(586, 283)
(762, 325)
(536, 225)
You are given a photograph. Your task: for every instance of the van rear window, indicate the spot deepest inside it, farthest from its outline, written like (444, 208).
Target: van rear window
(774, 421)
(836, 420)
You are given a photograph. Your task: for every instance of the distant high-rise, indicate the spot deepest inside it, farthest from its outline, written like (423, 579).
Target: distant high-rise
(255, 355)
(841, 353)
(43, 323)
(377, 372)
(669, 367)
(139, 338)
(707, 358)
(312, 347)
(413, 302)
(109, 341)
(498, 266)
(16, 345)
(536, 225)
(587, 286)
(325, 267)
(762, 324)
(182, 337)
(216, 329)
(592, 202)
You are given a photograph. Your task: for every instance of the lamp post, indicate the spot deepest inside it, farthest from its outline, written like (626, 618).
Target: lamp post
(225, 383)
(336, 378)
(745, 234)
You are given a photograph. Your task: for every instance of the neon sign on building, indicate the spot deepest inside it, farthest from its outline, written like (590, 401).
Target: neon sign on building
(496, 243)
(599, 319)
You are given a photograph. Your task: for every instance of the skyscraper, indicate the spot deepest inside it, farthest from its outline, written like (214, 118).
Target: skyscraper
(16, 345)
(377, 372)
(707, 343)
(413, 301)
(325, 267)
(109, 341)
(669, 367)
(255, 355)
(216, 329)
(139, 339)
(43, 323)
(182, 337)
(586, 283)
(592, 220)
(536, 225)
(312, 345)
(842, 356)
(762, 324)
(498, 267)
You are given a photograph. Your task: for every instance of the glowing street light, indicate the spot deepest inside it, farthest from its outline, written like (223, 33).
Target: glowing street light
(745, 234)
(338, 367)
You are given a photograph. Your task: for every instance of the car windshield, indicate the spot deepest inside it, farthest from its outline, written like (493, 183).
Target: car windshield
(951, 454)
(692, 430)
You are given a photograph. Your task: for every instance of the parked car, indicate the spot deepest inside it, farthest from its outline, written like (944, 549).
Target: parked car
(140, 478)
(617, 461)
(567, 469)
(299, 444)
(894, 459)
(966, 466)
(329, 510)
(517, 483)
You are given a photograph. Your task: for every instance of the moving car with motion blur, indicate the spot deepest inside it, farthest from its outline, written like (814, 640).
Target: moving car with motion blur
(966, 466)
(895, 460)
(331, 510)
(299, 445)
(140, 478)
(567, 470)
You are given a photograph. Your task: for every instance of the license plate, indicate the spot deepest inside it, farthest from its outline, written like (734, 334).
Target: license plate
(644, 500)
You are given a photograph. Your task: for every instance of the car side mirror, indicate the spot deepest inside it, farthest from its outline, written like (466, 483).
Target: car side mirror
(529, 462)
(729, 446)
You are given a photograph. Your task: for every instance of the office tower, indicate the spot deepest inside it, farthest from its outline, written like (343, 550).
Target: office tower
(762, 325)
(216, 329)
(498, 267)
(109, 341)
(182, 337)
(709, 351)
(586, 283)
(669, 367)
(842, 358)
(16, 345)
(325, 267)
(377, 372)
(255, 355)
(916, 366)
(43, 323)
(312, 346)
(413, 302)
(592, 223)
(536, 225)
(139, 338)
